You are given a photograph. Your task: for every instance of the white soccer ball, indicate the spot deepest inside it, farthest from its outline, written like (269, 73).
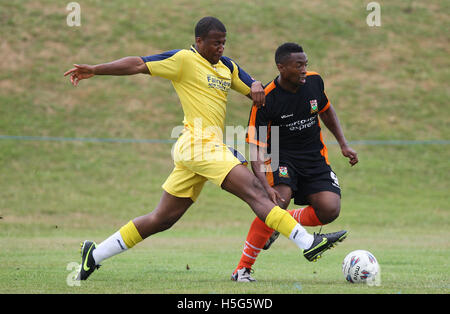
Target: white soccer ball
(361, 266)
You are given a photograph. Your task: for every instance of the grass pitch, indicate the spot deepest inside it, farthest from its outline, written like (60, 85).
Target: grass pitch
(403, 222)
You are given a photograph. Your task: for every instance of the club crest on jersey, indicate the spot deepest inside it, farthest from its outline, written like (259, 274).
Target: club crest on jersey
(314, 107)
(283, 172)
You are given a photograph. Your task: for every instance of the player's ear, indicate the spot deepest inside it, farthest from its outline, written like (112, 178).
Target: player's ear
(280, 67)
(198, 41)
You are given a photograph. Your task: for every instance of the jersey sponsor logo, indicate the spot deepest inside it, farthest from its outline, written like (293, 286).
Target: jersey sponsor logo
(217, 83)
(314, 107)
(300, 124)
(283, 172)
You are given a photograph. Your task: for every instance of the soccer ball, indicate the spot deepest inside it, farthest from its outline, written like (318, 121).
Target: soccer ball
(361, 266)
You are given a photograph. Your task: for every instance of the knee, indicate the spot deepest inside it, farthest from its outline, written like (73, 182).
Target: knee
(328, 214)
(334, 212)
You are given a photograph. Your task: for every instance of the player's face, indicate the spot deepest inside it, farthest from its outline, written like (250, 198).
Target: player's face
(211, 47)
(293, 70)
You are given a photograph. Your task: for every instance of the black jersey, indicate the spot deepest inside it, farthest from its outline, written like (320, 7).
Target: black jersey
(296, 115)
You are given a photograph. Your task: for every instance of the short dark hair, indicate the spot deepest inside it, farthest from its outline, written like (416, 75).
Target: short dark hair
(207, 24)
(285, 51)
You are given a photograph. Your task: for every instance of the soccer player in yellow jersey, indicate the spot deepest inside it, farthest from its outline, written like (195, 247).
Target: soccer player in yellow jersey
(202, 78)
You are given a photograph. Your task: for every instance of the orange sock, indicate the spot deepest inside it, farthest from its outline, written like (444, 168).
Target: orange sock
(305, 216)
(257, 236)
(259, 233)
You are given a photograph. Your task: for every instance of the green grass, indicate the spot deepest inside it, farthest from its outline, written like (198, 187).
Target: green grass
(386, 83)
(387, 210)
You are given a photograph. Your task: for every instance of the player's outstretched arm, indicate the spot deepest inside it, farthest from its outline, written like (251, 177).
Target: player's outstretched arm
(124, 66)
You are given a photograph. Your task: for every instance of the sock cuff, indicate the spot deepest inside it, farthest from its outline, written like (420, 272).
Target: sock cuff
(281, 221)
(308, 217)
(130, 234)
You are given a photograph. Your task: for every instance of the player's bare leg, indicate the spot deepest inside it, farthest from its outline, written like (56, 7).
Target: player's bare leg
(245, 185)
(285, 192)
(326, 204)
(169, 210)
(242, 183)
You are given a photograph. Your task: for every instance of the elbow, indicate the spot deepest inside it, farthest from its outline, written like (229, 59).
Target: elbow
(142, 68)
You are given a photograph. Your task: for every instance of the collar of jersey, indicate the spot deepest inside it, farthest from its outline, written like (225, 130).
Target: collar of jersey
(193, 49)
(284, 90)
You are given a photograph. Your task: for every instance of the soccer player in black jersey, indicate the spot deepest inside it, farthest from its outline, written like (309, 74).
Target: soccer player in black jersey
(294, 101)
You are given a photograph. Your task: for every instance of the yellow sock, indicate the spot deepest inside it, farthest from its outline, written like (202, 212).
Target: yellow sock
(130, 234)
(281, 221)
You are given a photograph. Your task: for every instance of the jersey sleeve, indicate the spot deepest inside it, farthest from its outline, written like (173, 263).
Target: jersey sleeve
(258, 127)
(241, 81)
(324, 102)
(167, 65)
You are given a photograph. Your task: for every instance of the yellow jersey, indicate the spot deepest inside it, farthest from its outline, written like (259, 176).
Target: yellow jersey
(202, 87)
